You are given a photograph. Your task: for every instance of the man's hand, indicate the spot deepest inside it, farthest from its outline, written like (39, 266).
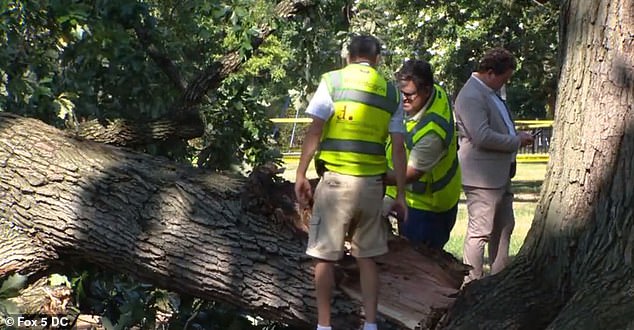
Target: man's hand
(303, 191)
(400, 208)
(526, 139)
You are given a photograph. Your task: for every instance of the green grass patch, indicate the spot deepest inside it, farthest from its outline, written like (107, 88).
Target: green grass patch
(526, 186)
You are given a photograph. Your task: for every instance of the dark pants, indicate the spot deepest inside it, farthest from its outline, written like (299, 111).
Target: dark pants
(429, 228)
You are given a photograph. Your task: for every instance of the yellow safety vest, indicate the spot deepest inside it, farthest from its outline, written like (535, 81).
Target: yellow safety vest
(439, 189)
(353, 139)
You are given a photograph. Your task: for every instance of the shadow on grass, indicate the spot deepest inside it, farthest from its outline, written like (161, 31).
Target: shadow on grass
(527, 186)
(527, 190)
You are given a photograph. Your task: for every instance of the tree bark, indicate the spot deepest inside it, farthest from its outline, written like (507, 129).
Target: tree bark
(125, 133)
(215, 236)
(575, 268)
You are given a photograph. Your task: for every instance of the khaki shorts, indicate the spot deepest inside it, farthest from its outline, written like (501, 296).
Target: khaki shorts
(347, 207)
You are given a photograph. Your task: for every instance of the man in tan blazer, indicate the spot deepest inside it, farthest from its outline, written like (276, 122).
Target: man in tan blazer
(488, 144)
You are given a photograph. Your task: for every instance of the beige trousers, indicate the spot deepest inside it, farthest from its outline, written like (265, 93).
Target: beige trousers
(491, 220)
(347, 207)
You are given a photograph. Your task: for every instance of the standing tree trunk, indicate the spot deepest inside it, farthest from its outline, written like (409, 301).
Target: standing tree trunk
(209, 235)
(575, 268)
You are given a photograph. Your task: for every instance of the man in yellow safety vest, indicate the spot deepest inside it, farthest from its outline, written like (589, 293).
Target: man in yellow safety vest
(354, 110)
(433, 172)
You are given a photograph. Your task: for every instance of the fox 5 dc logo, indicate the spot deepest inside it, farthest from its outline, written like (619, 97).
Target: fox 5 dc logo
(39, 321)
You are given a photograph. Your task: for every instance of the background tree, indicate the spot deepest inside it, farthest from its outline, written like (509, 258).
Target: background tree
(575, 268)
(452, 36)
(143, 61)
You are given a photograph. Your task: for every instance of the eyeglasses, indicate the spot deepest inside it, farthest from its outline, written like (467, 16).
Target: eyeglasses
(410, 96)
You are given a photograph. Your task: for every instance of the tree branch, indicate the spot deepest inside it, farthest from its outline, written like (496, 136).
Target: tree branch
(215, 73)
(121, 132)
(161, 59)
(183, 122)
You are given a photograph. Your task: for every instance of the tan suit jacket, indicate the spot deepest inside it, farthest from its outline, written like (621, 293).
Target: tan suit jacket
(486, 147)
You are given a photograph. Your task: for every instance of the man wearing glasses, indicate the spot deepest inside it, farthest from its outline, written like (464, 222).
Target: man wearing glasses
(433, 172)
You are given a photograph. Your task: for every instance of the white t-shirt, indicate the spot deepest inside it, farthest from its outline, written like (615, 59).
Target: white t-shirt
(322, 107)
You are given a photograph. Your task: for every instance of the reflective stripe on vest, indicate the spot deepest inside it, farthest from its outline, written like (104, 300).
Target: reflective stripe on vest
(363, 147)
(353, 140)
(420, 187)
(447, 126)
(388, 103)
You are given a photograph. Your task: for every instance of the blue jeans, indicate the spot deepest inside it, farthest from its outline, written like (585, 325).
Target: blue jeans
(429, 228)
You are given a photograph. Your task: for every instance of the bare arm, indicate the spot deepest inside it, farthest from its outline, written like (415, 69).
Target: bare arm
(303, 190)
(398, 158)
(425, 154)
(411, 175)
(309, 147)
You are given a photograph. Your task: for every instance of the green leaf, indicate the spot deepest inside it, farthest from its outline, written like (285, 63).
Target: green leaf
(57, 280)
(8, 307)
(12, 285)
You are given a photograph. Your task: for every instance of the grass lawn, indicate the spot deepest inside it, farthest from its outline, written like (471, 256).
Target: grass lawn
(526, 185)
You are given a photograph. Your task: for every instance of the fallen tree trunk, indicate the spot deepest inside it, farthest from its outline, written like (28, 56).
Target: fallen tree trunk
(215, 236)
